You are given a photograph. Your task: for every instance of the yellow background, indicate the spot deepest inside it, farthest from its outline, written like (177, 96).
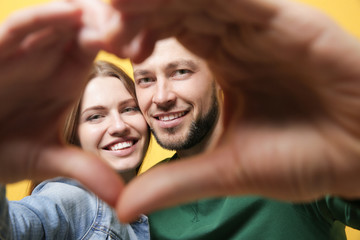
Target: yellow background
(345, 12)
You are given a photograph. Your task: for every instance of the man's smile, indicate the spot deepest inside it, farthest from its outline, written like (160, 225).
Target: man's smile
(171, 116)
(170, 120)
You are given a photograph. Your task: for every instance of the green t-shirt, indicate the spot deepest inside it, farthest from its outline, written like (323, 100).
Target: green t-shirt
(255, 218)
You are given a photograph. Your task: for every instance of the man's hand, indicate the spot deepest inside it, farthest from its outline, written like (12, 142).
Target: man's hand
(291, 82)
(43, 68)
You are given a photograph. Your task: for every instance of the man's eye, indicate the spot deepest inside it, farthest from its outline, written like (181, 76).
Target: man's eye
(181, 73)
(144, 81)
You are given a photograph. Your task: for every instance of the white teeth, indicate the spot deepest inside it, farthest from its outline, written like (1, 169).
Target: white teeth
(121, 145)
(171, 116)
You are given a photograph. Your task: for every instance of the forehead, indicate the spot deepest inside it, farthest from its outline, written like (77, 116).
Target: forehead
(102, 90)
(166, 52)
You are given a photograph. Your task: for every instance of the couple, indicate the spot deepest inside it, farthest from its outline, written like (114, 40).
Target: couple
(288, 131)
(180, 100)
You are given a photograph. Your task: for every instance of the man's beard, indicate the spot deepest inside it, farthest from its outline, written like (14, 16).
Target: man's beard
(197, 132)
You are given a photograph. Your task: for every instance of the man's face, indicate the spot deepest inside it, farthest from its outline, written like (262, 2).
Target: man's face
(177, 95)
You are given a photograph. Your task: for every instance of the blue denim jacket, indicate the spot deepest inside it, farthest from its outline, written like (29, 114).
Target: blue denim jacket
(62, 209)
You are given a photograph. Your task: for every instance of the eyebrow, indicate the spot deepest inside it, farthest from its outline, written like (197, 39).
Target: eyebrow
(141, 72)
(100, 107)
(182, 62)
(97, 107)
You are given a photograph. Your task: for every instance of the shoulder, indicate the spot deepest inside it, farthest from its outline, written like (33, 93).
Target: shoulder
(60, 207)
(62, 188)
(64, 183)
(343, 210)
(166, 160)
(66, 195)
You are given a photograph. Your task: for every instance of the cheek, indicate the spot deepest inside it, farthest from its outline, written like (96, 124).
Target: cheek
(140, 125)
(200, 95)
(203, 94)
(89, 137)
(144, 99)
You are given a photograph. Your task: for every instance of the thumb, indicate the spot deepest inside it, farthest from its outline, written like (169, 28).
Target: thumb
(88, 169)
(173, 183)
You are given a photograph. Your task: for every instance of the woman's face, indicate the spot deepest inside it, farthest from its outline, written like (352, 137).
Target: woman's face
(111, 124)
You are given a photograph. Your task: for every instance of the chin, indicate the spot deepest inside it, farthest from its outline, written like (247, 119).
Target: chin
(127, 168)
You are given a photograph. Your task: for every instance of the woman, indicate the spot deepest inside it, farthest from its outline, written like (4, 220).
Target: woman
(106, 121)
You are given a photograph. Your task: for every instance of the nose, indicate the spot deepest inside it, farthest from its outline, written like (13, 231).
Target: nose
(164, 96)
(117, 126)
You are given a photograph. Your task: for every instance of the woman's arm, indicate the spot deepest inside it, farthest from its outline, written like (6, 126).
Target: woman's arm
(59, 209)
(4, 215)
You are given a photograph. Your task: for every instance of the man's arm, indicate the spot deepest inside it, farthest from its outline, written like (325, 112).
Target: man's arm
(291, 80)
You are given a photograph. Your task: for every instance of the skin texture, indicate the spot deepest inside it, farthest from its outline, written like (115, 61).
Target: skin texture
(291, 97)
(112, 126)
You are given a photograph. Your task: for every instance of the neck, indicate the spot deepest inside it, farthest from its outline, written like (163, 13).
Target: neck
(127, 175)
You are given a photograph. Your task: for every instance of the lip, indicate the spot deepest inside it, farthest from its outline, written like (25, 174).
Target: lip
(170, 123)
(121, 152)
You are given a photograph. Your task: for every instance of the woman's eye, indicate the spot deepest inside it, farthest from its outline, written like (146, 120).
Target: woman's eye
(131, 109)
(93, 117)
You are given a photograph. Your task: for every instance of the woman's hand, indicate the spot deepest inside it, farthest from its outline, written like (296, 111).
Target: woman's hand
(44, 63)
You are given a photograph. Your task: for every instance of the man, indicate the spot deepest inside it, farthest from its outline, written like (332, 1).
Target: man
(180, 100)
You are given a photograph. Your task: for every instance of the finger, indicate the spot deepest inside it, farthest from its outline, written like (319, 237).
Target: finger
(140, 47)
(117, 34)
(126, 37)
(100, 22)
(90, 170)
(43, 38)
(255, 11)
(143, 42)
(43, 51)
(171, 184)
(203, 24)
(195, 43)
(22, 23)
(160, 6)
(138, 6)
